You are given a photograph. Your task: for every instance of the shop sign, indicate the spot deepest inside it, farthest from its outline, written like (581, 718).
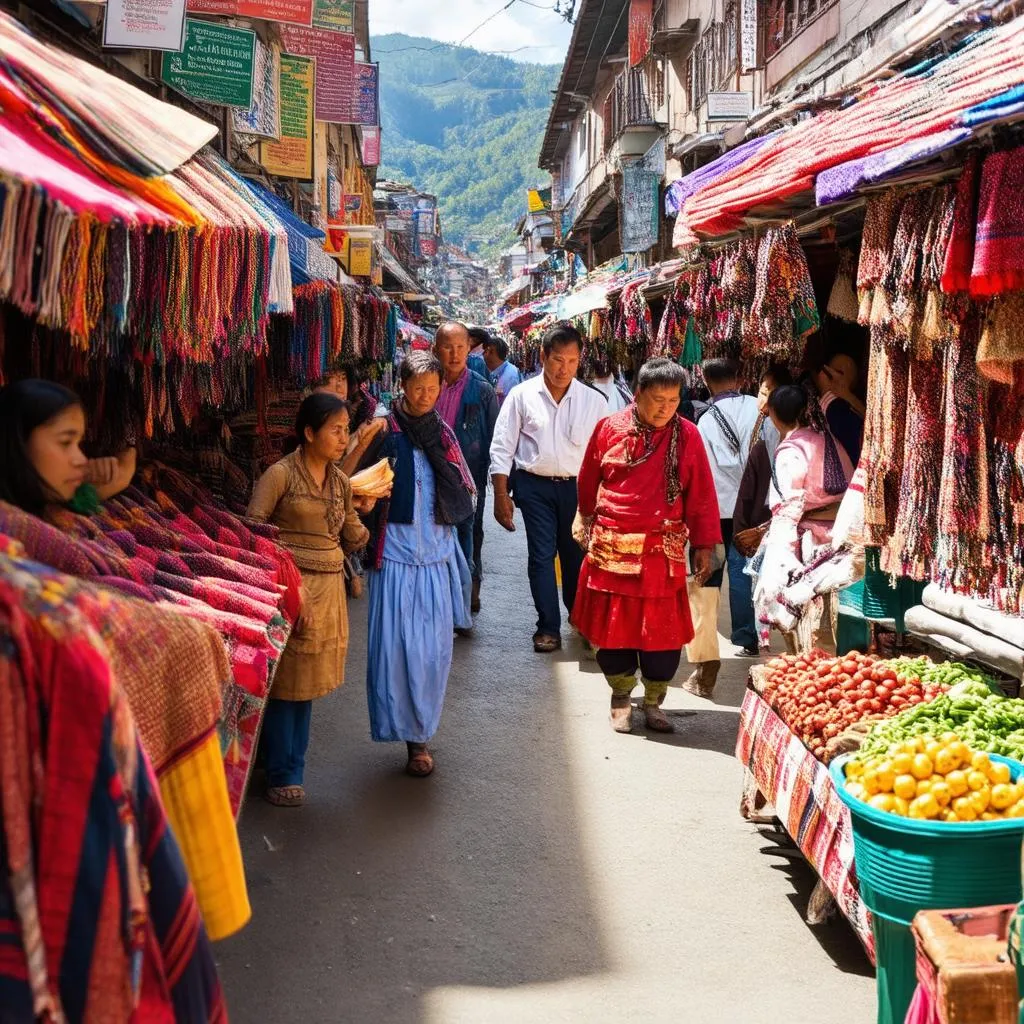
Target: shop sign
(396, 224)
(215, 64)
(730, 106)
(360, 256)
(371, 146)
(365, 111)
(748, 35)
(335, 56)
(334, 15)
(145, 24)
(291, 156)
(294, 12)
(263, 118)
(428, 246)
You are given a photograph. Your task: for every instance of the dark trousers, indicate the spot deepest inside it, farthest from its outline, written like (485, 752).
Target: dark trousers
(285, 740)
(656, 666)
(471, 536)
(741, 591)
(549, 507)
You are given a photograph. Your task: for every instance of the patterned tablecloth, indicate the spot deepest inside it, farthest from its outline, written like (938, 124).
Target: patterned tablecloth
(801, 790)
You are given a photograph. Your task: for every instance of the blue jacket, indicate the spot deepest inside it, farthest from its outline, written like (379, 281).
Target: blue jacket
(474, 427)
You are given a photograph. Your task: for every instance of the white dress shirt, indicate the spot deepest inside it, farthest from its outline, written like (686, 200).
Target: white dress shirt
(616, 400)
(741, 413)
(544, 437)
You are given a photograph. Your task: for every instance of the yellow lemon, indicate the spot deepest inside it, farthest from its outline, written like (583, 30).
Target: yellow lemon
(980, 800)
(990, 816)
(980, 762)
(957, 782)
(855, 769)
(883, 802)
(1002, 796)
(942, 793)
(905, 786)
(924, 807)
(1015, 810)
(946, 760)
(902, 763)
(949, 737)
(948, 815)
(886, 777)
(901, 806)
(963, 809)
(870, 782)
(922, 767)
(977, 780)
(998, 772)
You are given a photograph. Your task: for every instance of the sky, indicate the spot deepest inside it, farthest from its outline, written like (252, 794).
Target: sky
(535, 34)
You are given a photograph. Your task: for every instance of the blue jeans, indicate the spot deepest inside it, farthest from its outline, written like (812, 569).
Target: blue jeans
(549, 507)
(286, 738)
(471, 536)
(741, 591)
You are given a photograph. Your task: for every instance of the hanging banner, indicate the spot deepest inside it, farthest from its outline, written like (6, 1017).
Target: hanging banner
(295, 12)
(292, 155)
(263, 118)
(641, 28)
(334, 15)
(335, 56)
(748, 35)
(639, 206)
(215, 64)
(365, 111)
(538, 200)
(360, 256)
(145, 24)
(371, 146)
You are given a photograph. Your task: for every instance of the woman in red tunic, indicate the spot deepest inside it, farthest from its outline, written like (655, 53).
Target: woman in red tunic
(645, 490)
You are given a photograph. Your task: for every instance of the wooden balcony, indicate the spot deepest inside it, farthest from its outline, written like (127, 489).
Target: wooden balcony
(637, 100)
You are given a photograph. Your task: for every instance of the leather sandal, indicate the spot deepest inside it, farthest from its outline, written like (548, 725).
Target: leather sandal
(656, 720)
(545, 644)
(421, 761)
(286, 796)
(622, 714)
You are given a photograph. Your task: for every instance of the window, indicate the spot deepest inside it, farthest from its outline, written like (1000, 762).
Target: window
(785, 19)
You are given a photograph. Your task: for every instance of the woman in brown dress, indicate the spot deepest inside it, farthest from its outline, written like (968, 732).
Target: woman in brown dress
(310, 500)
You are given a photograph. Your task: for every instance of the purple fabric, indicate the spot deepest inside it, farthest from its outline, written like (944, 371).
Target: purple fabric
(845, 179)
(680, 190)
(451, 398)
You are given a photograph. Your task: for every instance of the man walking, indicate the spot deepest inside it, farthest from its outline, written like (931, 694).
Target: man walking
(543, 430)
(502, 374)
(468, 405)
(726, 427)
(478, 337)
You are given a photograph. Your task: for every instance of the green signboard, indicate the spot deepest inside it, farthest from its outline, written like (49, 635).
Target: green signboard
(215, 66)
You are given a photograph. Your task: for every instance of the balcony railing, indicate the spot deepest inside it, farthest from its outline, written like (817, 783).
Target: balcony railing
(636, 99)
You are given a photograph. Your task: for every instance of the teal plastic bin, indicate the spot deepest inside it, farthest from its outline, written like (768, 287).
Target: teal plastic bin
(905, 865)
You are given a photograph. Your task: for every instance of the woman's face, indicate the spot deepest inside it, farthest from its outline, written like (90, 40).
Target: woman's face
(54, 449)
(657, 404)
(421, 393)
(764, 393)
(331, 440)
(336, 384)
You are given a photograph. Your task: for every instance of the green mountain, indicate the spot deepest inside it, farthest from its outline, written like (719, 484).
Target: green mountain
(467, 127)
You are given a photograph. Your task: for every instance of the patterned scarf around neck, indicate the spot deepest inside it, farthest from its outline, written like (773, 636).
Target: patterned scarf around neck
(642, 452)
(454, 492)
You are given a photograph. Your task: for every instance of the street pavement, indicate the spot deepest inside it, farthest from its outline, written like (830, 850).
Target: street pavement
(550, 870)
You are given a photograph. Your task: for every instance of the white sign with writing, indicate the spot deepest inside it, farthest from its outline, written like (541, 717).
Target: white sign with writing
(145, 24)
(748, 35)
(730, 106)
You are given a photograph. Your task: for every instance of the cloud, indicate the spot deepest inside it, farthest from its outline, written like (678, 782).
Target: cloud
(538, 36)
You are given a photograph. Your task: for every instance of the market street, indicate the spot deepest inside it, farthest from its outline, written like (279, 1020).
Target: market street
(550, 871)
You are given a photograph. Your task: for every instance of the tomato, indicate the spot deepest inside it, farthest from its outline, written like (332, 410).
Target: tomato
(835, 695)
(849, 665)
(876, 705)
(863, 705)
(882, 692)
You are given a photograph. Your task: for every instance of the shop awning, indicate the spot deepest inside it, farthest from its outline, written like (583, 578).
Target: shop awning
(399, 273)
(933, 97)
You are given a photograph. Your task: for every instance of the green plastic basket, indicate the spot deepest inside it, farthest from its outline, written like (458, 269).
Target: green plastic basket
(905, 865)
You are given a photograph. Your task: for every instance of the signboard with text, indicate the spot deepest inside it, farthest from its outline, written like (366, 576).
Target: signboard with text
(145, 24)
(371, 146)
(291, 156)
(295, 12)
(215, 64)
(360, 256)
(730, 106)
(335, 56)
(365, 110)
(334, 15)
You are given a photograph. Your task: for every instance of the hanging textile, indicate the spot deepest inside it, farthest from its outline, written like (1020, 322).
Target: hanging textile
(641, 28)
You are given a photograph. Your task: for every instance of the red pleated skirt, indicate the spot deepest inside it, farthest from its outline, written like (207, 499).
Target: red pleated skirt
(625, 621)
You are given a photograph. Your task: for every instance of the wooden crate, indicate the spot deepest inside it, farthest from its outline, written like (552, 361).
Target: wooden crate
(962, 961)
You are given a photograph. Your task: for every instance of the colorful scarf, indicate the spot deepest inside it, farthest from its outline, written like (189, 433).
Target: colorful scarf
(641, 447)
(999, 239)
(455, 490)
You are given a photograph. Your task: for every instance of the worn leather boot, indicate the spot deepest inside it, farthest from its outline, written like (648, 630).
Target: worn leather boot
(474, 602)
(654, 718)
(702, 681)
(622, 713)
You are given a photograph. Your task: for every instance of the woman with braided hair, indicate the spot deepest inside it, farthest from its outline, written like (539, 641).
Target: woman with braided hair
(645, 490)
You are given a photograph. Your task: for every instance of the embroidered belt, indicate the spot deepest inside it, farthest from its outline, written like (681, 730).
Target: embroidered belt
(623, 553)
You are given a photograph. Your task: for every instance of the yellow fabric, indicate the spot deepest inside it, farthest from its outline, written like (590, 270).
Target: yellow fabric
(195, 795)
(704, 609)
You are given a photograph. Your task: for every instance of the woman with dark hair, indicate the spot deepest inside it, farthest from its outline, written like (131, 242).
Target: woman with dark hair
(42, 426)
(420, 583)
(645, 490)
(310, 500)
(810, 474)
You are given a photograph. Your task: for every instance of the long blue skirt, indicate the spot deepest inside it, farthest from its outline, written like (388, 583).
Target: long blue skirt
(413, 612)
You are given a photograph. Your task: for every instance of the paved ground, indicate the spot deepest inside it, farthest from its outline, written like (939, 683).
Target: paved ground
(549, 871)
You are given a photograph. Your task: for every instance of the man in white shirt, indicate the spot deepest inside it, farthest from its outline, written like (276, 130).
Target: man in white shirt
(543, 430)
(605, 382)
(726, 427)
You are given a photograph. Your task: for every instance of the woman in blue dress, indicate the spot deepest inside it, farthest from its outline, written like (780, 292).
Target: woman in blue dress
(420, 582)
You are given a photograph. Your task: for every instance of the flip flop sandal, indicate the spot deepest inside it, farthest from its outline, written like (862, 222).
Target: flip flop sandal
(286, 796)
(420, 764)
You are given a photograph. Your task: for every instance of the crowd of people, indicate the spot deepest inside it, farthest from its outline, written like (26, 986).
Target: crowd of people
(644, 500)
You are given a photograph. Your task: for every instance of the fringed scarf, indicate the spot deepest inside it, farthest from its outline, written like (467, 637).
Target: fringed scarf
(835, 481)
(642, 445)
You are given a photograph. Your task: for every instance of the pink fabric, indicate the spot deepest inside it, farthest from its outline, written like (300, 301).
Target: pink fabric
(451, 398)
(922, 1009)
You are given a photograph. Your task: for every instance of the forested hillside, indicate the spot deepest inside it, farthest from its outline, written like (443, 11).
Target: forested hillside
(466, 126)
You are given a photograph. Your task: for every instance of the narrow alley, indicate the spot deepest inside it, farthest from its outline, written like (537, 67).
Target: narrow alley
(549, 871)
